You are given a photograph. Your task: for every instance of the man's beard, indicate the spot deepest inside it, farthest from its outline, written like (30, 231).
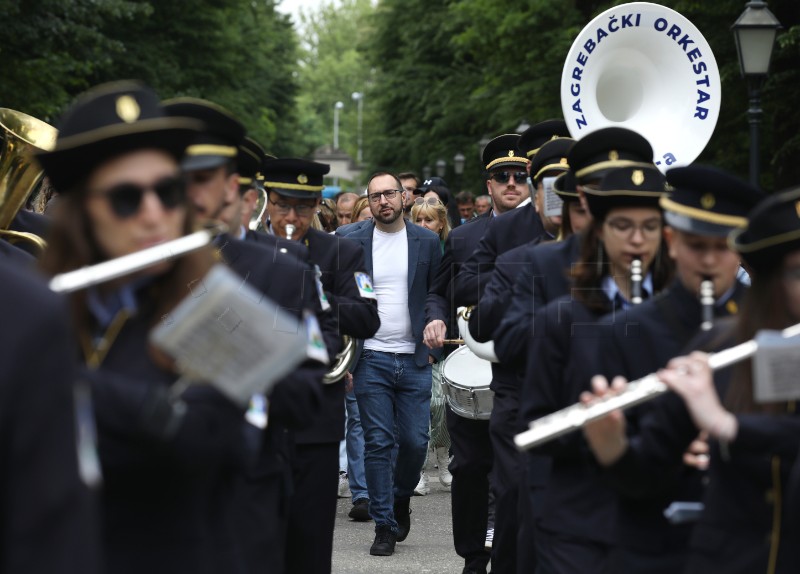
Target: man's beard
(388, 219)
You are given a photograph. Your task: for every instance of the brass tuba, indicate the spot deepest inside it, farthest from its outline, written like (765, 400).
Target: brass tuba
(20, 136)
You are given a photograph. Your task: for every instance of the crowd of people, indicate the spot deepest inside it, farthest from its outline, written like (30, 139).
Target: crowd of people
(580, 268)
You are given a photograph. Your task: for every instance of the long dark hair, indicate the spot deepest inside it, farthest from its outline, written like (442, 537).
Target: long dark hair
(72, 244)
(764, 307)
(593, 265)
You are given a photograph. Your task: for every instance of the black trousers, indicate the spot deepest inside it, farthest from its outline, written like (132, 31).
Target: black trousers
(472, 463)
(312, 510)
(259, 521)
(506, 480)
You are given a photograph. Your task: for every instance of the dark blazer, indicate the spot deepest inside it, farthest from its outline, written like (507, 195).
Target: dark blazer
(652, 334)
(576, 502)
(488, 313)
(277, 244)
(424, 256)
(30, 222)
(16, 255)
(338, 260)
(47, 518)
(543, 277)
(516, 227)
(460, 244)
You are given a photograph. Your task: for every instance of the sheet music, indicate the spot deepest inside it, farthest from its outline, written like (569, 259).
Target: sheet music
(231, 336)
(552, 203)
(775, 367)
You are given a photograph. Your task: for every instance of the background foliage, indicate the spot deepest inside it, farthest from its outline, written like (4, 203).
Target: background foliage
(437, 77)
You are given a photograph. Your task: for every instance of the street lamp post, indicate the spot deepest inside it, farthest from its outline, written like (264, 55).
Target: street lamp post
(359, 97)
(458, 168)
(755, 33)
(336, 107)
(441, 168)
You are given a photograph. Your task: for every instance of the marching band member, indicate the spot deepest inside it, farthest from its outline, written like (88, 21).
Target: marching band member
(260, 513)
(546, 272)
(573, 532)
(164, 461)
(705, 205)
(472, 449)
(294, 190)
(548, 158)
(47, 523)
(746, 524)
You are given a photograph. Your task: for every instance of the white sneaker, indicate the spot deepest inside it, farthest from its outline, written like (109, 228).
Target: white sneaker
(344, 486)
(443, 460)
(489, 537)
(422, 486)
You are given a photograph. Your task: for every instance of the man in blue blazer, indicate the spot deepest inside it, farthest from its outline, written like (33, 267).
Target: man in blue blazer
(392, 378)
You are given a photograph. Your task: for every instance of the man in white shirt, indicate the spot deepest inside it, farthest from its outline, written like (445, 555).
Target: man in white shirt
(392, 379)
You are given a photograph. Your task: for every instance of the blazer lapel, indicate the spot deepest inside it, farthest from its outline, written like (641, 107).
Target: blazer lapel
(413, 255)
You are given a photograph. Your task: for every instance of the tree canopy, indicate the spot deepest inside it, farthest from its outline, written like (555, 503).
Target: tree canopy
(437, 78)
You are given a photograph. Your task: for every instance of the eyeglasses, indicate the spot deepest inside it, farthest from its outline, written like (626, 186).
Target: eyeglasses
(504, 176)
(301, 209)
(429, 201)
(388, 195)
(125, 199)
(626, 229)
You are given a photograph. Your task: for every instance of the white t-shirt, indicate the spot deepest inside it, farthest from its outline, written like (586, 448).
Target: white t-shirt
(390, 280)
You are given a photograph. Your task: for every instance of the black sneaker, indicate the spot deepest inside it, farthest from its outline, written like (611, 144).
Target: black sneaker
(360, 510)
(402, 514)
(385, 540)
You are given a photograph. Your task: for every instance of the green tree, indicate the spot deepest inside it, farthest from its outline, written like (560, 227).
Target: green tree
(332, 68)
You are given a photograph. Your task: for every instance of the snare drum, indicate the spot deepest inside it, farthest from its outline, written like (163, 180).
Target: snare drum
(465, 380)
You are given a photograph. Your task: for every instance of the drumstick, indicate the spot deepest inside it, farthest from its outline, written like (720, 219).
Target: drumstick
(454, 341)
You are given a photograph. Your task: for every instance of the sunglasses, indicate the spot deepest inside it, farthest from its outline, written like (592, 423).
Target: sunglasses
(504, 176)
(125, 199)
(429, 201)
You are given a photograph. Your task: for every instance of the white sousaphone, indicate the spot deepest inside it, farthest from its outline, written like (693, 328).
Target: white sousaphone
(646, 68)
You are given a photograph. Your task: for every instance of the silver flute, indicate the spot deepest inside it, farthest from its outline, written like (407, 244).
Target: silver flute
(121, 266)
(574, 417)
(707, 302)
(636, 281)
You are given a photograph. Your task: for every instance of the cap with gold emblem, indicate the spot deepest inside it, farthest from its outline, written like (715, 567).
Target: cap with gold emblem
(218, 143)
(552, 157)
(608, 148)
(536, 136)
(625, 187)
(772, 231)
(293, 177)
(707, 201)
(502, 152)
(249, 161)
(107, 121)
(564, 186)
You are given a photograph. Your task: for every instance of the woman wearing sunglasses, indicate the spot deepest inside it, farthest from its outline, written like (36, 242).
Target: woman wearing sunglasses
(749, 518)
(163, 460)
(575, 511)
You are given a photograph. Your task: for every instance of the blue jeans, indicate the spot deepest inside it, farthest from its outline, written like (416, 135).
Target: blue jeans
(394, 398)
(354, 437)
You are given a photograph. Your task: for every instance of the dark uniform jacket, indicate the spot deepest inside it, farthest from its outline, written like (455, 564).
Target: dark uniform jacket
(543, 277)
(746, 516)
(516, 227)
(460, 244)
(562, 350)
(338, 259)
(47, 520)
(652, 334)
